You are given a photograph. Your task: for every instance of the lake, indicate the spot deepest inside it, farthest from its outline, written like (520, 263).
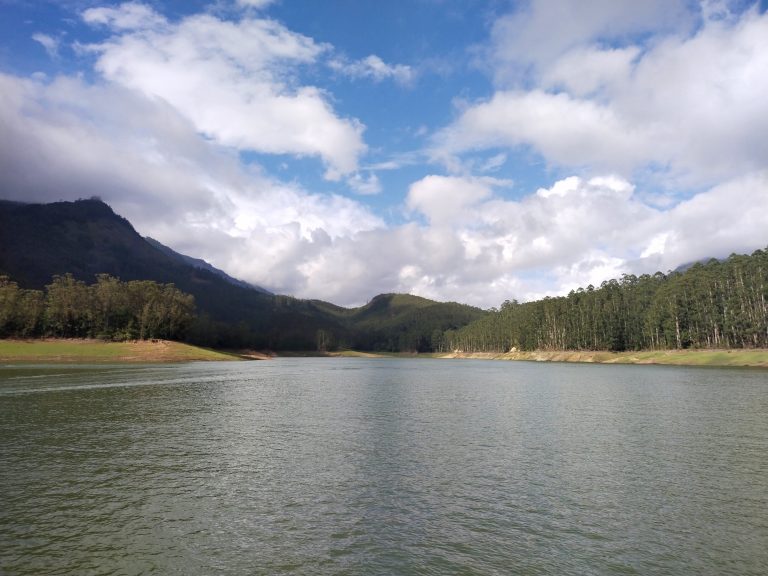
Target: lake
(383, 466)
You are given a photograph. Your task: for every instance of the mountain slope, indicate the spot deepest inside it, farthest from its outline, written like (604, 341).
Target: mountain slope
(202, 265)
(403, 322)
(86, 238)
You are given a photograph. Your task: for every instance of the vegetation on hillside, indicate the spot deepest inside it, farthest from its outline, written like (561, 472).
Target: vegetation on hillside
(713, 305)
(114, 310)
(405, 323)
(109, 310)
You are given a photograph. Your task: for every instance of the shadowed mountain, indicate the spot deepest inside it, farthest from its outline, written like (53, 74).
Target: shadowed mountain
(86, 238)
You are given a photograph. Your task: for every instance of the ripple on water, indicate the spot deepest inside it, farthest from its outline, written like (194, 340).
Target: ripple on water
(383, 467)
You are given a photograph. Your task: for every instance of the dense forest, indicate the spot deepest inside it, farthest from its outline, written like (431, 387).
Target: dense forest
(720, 304)
(109, 309)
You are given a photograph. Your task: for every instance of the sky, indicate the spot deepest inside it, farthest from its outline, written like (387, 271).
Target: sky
(463, 151)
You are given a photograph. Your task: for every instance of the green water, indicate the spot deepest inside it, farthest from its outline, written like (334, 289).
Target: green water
(365, 466)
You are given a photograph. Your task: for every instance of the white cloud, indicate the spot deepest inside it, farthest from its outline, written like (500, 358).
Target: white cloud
(446, 200)
(584, 71)
(538, 32)
(565, 130)
(50, 44)
(493, 163)
(374, 68)
(258, 4)
(231, 79)
(129, 16)
(688, 108)
(365, 186)
(730, 217)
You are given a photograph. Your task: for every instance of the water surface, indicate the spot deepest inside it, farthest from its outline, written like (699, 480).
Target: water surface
(366, 466)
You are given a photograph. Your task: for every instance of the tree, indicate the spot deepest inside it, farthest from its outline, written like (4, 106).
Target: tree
(67, 307)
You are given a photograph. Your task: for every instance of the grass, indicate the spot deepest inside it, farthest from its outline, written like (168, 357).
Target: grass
(700, 357)
(96, 351)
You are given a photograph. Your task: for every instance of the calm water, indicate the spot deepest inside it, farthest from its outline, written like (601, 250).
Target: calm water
(355, 466)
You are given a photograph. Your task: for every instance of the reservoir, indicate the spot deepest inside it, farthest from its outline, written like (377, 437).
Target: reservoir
(383, 466)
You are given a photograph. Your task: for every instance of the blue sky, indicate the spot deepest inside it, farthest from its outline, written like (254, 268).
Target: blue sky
(468, 151)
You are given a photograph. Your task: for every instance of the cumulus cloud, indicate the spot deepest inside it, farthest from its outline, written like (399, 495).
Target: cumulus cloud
(685, 105)
(538, 32)
(232, 80)
(567, 131)
(585, 71)
(446, 200)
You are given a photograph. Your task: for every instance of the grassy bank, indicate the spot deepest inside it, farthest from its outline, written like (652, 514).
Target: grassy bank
(755, 358)
(96, 351)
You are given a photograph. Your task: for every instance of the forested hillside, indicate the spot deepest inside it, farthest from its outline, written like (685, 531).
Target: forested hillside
(110, 309)
(402, 322)
(713, 305)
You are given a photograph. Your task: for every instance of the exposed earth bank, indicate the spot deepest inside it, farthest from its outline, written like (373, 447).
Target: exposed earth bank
(750, 357)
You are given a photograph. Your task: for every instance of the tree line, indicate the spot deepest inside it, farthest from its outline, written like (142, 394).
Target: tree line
(109, 309)
(718, 304)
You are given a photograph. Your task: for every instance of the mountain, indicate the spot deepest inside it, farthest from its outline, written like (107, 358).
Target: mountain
(688, 265)
(86, 238)
(401, 322)
(202, 265)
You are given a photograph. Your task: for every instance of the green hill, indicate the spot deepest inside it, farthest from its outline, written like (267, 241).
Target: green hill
(400, 322)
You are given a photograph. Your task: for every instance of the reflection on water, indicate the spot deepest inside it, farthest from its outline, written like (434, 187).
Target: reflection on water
(357, 466)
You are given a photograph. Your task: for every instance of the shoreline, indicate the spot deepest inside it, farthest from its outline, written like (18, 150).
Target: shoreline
(87, 351)
(750, 358)
(746, 358)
